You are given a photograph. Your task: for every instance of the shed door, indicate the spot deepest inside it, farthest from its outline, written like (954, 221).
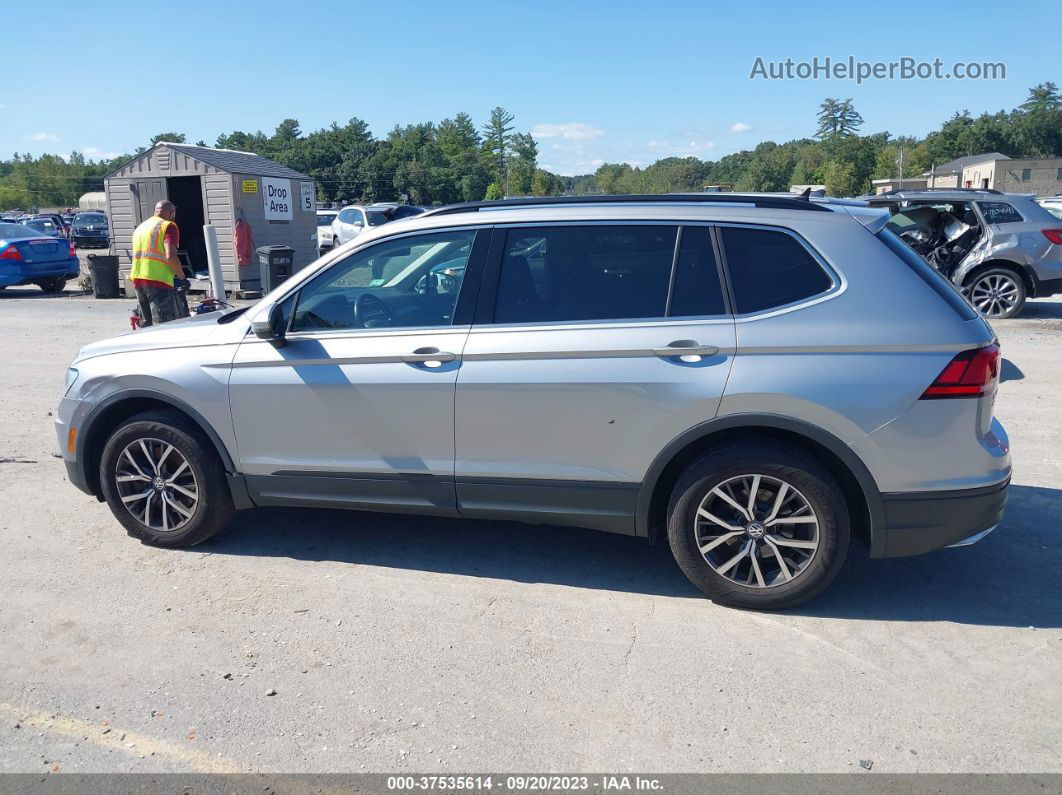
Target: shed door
(148, 193)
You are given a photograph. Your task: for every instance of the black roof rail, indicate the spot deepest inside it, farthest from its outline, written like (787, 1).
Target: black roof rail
(770, 202)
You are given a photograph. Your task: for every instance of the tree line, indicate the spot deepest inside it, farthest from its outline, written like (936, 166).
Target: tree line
(454, 160)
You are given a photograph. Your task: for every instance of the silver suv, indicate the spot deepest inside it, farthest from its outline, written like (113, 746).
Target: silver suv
(998, 248)
(728, 372)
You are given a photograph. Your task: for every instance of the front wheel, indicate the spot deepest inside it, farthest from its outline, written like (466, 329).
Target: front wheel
(759, 525)
(164, 482)
(998, 293)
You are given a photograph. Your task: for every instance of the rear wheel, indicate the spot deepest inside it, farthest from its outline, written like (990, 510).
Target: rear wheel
(335, 242)
(56, 285)
(759, 525)
(163, 481)
(998, 293)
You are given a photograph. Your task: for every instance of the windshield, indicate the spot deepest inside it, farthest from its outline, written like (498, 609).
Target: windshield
(325, 219)
(376, 217)
(91, 218)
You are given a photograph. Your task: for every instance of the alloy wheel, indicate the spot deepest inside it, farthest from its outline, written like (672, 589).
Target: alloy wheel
(994, 295)
(757, 531)
(156, 484)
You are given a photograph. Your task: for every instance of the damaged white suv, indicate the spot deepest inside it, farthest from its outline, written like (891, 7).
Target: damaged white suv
(998, 248)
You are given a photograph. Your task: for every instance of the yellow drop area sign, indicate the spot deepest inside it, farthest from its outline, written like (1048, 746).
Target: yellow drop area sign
(250, 186)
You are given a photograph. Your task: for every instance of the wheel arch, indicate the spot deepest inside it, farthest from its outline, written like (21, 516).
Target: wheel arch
(116, 409)
(857, 484)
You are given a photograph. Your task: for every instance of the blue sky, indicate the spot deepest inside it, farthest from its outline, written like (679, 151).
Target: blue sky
(594, 81)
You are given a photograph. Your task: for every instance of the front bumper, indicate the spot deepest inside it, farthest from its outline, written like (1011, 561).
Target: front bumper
(919, 522)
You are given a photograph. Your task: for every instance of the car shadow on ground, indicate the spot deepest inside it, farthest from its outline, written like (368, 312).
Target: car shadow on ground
(1039, 310)
(32, 291)
(1011, 578)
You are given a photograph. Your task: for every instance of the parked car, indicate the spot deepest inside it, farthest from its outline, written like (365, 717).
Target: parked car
(1053, 205)
(28, 257)
(44, 225)
(355, 219)
(90, 229)
(56, 219)
(322, 237)
(729, 373)
(999, 249)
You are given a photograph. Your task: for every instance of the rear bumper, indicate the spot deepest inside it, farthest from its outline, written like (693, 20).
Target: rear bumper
(918, 522)
(15, 274)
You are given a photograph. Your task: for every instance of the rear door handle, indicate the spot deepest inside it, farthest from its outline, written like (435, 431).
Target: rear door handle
(428, 356)
(685, 348)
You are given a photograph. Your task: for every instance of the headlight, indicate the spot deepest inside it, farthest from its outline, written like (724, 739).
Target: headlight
(71, 377)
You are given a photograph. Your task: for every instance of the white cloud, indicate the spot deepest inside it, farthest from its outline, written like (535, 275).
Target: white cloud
(740, 127)
(571, 131)
(44, 136)
(95, 153)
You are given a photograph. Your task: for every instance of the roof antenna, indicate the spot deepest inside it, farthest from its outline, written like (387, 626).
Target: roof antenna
(805, 194)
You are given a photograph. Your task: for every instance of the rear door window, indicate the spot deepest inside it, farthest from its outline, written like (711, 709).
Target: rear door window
(571, 273)
(770, 269)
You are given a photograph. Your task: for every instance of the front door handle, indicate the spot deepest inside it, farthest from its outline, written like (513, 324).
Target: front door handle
(684, 348)
(432, 357)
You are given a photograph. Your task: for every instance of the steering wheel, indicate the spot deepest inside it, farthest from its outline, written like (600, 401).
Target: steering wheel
(368, 308)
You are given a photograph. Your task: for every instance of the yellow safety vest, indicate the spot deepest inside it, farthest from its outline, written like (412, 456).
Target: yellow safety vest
(149, 251)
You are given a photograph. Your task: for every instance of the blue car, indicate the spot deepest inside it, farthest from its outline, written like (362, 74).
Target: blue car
(27, 257)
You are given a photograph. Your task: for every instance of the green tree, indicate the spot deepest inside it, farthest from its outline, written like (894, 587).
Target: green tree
(173, 137)
(494, 191)
(838, 117)
(1042, 97)
(522, 164)
(496, 137)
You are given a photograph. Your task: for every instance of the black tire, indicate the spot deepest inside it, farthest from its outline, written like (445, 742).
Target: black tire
(335, 242)
(214, 508)
(774, 460)
(56, 285)
(973, 290)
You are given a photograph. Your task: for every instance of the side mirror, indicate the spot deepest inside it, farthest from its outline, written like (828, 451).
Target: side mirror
(268, 324)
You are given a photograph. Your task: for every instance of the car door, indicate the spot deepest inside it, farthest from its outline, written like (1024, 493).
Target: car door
(356, 408)
(594, 346)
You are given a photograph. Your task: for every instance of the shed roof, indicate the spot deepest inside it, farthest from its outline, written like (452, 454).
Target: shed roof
(228, 160)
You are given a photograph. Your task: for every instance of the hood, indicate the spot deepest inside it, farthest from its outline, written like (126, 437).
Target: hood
(187, 332)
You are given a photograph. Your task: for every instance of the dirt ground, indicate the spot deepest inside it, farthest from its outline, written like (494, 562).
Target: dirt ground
(408, 644)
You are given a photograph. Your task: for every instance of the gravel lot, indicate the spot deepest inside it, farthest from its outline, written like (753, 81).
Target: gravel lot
(408, 644)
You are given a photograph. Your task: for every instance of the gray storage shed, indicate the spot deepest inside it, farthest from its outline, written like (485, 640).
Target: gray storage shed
(219, 187)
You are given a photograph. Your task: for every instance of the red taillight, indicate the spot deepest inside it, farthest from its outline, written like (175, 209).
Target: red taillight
(1054, 235)
(73, 251)
(969, 374)
(10, 252)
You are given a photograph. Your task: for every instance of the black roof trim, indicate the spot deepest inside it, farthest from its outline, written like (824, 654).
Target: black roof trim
(768, 202)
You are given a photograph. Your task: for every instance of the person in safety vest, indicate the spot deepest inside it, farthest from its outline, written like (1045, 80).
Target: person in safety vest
(155, 265)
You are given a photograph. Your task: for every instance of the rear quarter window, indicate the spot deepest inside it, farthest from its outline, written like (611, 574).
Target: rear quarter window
(928, 274)
(770, 269)
(999, 213)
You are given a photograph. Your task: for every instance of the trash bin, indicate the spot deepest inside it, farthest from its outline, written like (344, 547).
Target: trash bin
(104, 272)
(275, 265)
